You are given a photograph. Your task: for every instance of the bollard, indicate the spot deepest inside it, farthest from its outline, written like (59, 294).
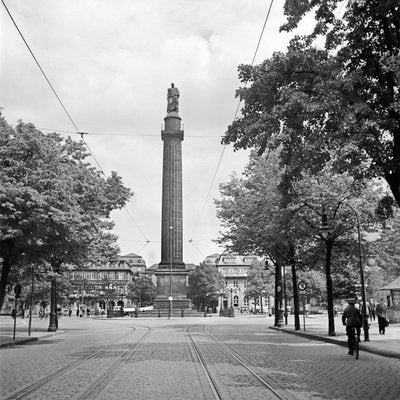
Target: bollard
(182, 313)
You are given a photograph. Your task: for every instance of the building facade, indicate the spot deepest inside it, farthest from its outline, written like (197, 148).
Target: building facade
(235, 269)
(103, 287)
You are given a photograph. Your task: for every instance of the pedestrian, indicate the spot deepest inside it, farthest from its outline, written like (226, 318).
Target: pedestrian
(69, 312)
(307, 310)
(351, 318)
(367, 311)
(381, 313)
(335, 310)
(373, 309)
(77, 311)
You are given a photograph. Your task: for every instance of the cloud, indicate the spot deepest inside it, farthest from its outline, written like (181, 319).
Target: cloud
(111, 63)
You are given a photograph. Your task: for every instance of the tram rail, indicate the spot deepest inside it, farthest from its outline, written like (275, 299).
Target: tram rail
(61, 373)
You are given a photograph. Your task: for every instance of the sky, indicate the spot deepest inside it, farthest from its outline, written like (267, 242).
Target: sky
(111, 63)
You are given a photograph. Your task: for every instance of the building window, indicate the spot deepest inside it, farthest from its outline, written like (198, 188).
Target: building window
(245, 284)
(120, 276)
(235, 301)
(92, 276)
(235, 284)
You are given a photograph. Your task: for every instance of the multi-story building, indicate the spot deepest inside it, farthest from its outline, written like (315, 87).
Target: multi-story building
(105, 286)
(235, 268)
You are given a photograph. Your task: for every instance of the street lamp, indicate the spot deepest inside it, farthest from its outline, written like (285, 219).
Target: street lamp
(262, 292)
(170, 272)
(365, 320)
(285, 312)
(221, 302)
(324, 230)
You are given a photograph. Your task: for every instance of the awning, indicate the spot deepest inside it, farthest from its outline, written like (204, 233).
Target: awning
(395, 285)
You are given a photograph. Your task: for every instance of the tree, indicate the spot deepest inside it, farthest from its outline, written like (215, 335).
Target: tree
(205, 283)
(54, 206)
(288, 231)
(259, 282)
(142, 290)
(337, 105)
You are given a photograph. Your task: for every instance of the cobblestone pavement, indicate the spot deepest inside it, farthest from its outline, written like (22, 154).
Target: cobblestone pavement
(163, 365)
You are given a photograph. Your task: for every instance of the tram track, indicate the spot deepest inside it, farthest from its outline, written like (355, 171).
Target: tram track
(204, 354)
(96, 353)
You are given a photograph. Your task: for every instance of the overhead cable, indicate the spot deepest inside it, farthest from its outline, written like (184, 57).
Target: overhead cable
(51, 86)
(62, 104)
(234, 118)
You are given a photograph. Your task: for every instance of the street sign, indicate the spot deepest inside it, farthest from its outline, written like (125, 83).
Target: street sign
(302, 285)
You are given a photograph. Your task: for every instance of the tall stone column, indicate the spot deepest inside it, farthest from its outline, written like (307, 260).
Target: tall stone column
(171, 273)
(172, 220)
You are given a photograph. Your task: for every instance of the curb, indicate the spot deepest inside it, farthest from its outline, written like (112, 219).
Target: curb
(19, 341)
(384, 353)
(28, 340)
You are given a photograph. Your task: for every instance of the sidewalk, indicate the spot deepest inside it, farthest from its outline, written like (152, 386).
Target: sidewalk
(38, 330)
(316, 327)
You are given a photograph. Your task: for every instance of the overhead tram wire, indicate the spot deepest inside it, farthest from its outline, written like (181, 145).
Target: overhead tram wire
(63, 106)
(235, 116)
(120, 134)
(51, 86)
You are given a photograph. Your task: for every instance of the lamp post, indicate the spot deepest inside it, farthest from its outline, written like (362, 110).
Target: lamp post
(221, 302)
(285, 312)
(365, 320)
(170, 273)
(262, 293)
(324, 229)
(279, 304)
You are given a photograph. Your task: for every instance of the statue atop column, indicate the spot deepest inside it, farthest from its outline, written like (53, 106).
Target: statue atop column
(173, 99)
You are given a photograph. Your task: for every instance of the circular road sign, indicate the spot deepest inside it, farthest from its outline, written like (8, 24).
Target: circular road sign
(302, 285)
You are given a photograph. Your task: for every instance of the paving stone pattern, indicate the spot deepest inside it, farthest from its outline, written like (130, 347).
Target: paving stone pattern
(164, 365)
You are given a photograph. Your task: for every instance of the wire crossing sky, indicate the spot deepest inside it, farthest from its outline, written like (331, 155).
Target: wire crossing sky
(109, 68)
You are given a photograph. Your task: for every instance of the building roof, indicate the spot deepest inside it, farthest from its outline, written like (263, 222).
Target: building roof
(234, 259)
(130, 255)
(394, 285)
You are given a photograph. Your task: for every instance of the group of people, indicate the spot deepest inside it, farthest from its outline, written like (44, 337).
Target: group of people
(352, 318)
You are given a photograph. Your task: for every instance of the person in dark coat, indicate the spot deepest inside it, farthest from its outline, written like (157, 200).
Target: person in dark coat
(381, 313)
(351, 318)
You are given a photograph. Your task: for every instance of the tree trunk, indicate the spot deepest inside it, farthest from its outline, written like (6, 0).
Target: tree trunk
(53, 306)
(329, 288)
(5, 271)
(53, 323)
(295, 298)
(278, 295)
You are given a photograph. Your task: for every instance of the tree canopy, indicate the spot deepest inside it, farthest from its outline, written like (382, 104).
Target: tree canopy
(54, 207)
(142, 290)
(337, 105)
(256, 221)
(204, 284)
